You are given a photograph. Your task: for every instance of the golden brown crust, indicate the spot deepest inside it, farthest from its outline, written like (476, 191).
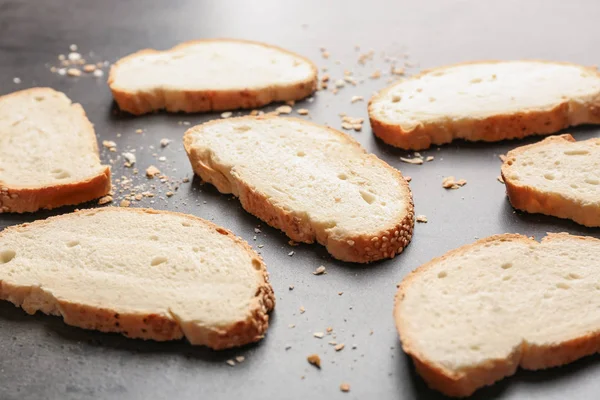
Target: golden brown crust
(190, 101)
(360, 248)
(159, 327)
(30, 199)
(463, 383)
(534, 200)
(490, 129)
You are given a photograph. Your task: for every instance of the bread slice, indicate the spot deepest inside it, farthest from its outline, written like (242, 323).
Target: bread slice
(146, 274)
(312, 182)
(487, 101)
(48, 153)
(557, 176)
(472, 316)
(210, 75)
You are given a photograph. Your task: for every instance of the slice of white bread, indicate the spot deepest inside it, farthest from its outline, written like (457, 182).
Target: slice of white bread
(210, 75)
(472, 316)
(146, 274)
(557, 176)
(312, 182)
(48, 153)
(487, 101)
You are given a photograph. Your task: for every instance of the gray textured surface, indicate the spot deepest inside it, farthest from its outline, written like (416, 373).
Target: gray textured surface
(40, 357)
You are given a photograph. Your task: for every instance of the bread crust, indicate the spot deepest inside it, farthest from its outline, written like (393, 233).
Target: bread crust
(465, 382)
(534, 200)
(490, 129)
(359, 248)
(159, 327)
(191, 101)
(30, 199)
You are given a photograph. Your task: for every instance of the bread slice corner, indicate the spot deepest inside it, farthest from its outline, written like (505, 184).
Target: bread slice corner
(466, 318)
(557, 176)
(48, 153)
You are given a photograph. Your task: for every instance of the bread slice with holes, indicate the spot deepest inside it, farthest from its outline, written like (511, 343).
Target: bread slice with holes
(476, 314)
(143, 273)
(312, 182)
(557, 176)
(210, 75)
(485, 101)
(48, 153)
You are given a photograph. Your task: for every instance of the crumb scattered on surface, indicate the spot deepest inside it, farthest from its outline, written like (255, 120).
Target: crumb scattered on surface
(429, 158)
(344, 387)
(320, 270)
(450, 183)
(231, 363)
(302, 310)
(416, 161)
(73, 72)
(315, 360)
(302, 111)
(291, 287)
(291, 253)
(283, 109)
(226, 114)
(164, 142)
(105, 200)
(152, 171)
(319, 335)
(109, 144)
(339, 347)
(421, 218)
(354, 99)
(125, 203)
(240, 359)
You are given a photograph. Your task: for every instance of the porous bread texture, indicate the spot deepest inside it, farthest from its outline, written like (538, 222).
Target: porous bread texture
(312, 182)
(146, 274)
(48, 153)
(557, 176)
(485, 101)
(472, 316)
(210, 75)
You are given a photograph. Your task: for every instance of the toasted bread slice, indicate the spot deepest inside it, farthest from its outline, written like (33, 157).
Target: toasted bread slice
(146, 274)
(210, 75)
(312, 182)
(48, 153)
(557, 176)
(485, 101)
(472, 316)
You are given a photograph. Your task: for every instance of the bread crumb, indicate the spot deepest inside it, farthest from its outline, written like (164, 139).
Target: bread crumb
(73, 72)
(375, 75)
(344, 387)
(315, 360)
(240, 359)
(421, 218)
(350, 80)
(291, 253)
(302, 310)
(152, 171)
(283, 110)
(291, 287)
(302, 111)
(417, 161)
(73, 56)
(347, 126)
(109, 144)
(129, 159)
(450, 183)
(231, 363)
(105, 200)
(325, 54)
(320, 270)
(340, 83)
(339, 347)
(164, 142)
(169, 194)
(397, 70)
(89, 68)
(357, 127)
(340, 293)
(319, 335)
(16, 80)
(125, 203)
(500, 179)
(429, 158)
(98, 73)
(226, 114)
(354, 99)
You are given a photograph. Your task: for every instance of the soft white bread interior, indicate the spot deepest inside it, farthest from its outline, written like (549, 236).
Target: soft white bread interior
(311, 181)
(146, 274)
(473, 316)
(557, 176)
(48, 153)
(210, 75)
(488, 101)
